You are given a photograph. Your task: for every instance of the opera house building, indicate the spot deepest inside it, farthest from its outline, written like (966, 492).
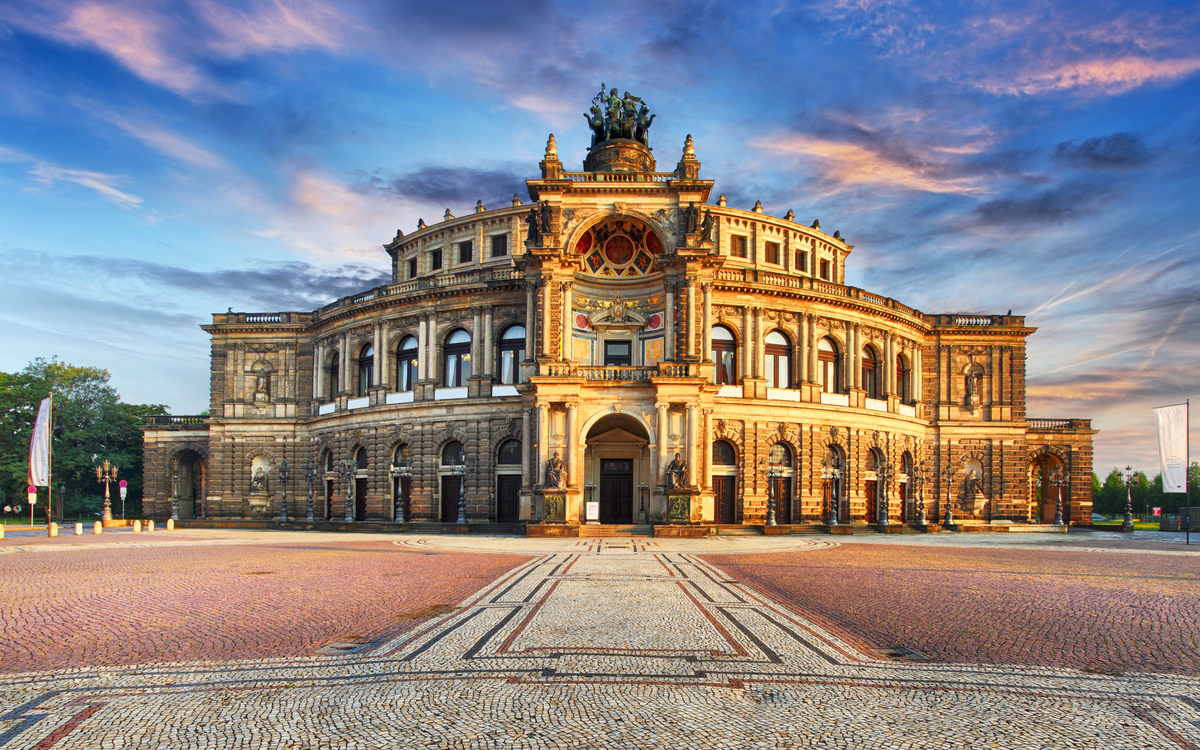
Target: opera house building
(619, 347)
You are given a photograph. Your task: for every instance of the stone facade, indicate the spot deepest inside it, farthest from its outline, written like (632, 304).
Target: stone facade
(617, 321)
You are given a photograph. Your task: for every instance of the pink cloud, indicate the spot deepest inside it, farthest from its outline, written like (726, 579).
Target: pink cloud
(1099, 75)
(272, 26)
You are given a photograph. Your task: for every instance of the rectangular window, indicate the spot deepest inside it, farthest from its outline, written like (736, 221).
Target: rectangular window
(801, 261)
(825, 270)
(737, 246)
(618, 353)
(773, 252)
(412, 268)
(499, 245)
(465, 251)
(435, 259)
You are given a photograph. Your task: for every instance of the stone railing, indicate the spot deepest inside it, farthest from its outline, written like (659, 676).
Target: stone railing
(619, 176)
(474, 276)
(968, 320)
(617, 373)
(241, 318)
(754, 275)
(1060, 424)
(173, 421)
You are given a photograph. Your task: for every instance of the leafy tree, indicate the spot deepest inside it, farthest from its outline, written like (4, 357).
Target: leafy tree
(1110, 497)
(91, 424)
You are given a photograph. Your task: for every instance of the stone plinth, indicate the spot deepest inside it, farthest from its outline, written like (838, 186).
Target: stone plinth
(619, 155)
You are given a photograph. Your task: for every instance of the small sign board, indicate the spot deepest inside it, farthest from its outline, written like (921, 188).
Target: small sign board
(122, 484)
(32, 495)
(593, 512)
(1158, 511)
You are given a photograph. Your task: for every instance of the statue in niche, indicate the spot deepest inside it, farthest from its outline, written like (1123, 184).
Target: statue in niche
(706, 226)
(262, 386)
(258, 482)
(691, 215)
(555, 473)
(677, 473)
(546, 214)
(974, 486)
(534, 234)
(972, 385)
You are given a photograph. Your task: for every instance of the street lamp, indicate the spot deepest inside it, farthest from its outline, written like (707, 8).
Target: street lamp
(1128, 523)
(401, 473)
(349, 469)
(461, 471)
(283, 477)
(310, 475)
(1058, 478)
(773, 473)
(884, 472)
(948, 475)
(62, 501)
(106, 473)
(922, 470)
(643, 490)
(831, 472)
(174, 491)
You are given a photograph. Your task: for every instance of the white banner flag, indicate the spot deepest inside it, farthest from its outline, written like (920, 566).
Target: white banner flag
(39, 448)
(1172, 423)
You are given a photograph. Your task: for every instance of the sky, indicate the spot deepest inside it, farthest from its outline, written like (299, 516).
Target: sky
(160, 162)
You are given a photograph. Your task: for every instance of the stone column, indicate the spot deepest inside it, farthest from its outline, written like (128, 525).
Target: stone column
(530, 321)
(379, 354)
(662, 441)
(344, 374)
(543, 444)
(702, 468)
(566, 321)
(852, 377)
(318, 372)
(755, 342)
(544, 348)
(422, 349)
(707, 323)
(669, 349)
(744, 366)
(690, 288)
(802, 344)
(488, 348)
(431, 368)
(693, 444)
(572, 445)
(526, 448)
(476, 342)
(812, 348)
(916, 372)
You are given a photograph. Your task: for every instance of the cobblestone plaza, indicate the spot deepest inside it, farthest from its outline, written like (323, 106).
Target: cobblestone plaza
(242, 639)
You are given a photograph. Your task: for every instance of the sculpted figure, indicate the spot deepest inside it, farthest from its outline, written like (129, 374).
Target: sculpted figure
(546, 215)
(535, 236)
(677, 473)
(555, 472)
(706, 226)
(258, 482)
(596, 122)
(641, 133)
(613, 122)
(691, 216)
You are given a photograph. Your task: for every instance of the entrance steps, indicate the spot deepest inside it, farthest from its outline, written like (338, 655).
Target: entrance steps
(737, 529)
(595, 530)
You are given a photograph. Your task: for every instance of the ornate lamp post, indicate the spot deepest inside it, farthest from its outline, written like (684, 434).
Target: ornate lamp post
(461, 471)
(948, 475)
(106, 474)
(310, 475)
(1127, 525)
(922, 471)
(349, 469)
(1058, 478)
(62, 501)
(283, 477)
(643, 490)
(885, 473)
(174, 490)
(832, 473)
(401, 473)
(773, 473)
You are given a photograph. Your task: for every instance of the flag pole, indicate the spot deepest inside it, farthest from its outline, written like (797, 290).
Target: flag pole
(50, 465)
(1187, 490)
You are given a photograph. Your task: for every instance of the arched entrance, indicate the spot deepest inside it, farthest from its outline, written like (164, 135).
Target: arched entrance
(189, 473)
(724, 480)
(617, 468)
(1043, 493)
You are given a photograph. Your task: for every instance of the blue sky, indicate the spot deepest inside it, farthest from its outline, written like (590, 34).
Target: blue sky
(163, 161)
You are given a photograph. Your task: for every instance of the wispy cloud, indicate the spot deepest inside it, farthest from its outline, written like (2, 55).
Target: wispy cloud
(47, 174)
(157, 138)
(273, 26)
(1108, 76)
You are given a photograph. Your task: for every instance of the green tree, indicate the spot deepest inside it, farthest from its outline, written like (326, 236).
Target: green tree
(1110, 499)
(91, 424)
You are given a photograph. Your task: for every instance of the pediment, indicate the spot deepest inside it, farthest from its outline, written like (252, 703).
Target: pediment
(617, 436)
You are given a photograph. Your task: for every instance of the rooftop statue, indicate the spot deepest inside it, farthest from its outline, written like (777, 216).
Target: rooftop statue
(613, 116)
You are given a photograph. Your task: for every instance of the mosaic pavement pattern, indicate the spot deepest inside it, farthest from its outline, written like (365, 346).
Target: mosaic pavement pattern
(603, 643)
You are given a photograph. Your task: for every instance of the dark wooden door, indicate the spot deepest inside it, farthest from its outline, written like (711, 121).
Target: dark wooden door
(616, 491)
(508, 498)
(871, 513)
(908, 512)
(450, 486)
(783, 499)
(360, 498)
(723, 489)
(328, 499)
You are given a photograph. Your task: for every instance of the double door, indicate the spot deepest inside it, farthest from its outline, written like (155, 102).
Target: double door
(616, 491)
(508, 497)
(723, 491)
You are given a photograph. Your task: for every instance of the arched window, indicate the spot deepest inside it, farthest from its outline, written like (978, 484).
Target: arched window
(780, 455)
(406, 364)
(335, 372)
(903, 380)
(366, 370)
(329, 461)
(458, 359)
(723, 454)
(452, 454)
(509, 452)
(829, 366)
(778, 361)
(360, 459)
(512, 353)
(724, 355)
(870, 373)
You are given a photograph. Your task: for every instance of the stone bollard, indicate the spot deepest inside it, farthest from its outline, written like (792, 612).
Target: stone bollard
(97, 527)
(53, 529)
(170, 524)
(150, 525)
(1, 531)
(137, 526)
(78, 529)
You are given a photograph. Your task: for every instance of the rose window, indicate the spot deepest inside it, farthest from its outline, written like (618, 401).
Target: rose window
(619, 247)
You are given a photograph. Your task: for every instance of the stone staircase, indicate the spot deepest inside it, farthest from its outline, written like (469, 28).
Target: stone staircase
(597, 530)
